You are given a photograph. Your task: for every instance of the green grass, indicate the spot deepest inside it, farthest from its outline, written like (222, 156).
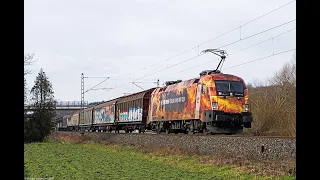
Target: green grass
(94, 161)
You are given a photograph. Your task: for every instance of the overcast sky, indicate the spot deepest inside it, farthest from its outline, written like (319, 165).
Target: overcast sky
(122, 40)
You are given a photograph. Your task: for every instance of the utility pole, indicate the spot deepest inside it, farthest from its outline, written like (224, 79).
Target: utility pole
(82, 95)
(82, 101)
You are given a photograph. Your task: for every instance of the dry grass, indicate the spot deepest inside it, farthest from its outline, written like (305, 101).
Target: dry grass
(247, 164)
(71, 138)
(274, 106)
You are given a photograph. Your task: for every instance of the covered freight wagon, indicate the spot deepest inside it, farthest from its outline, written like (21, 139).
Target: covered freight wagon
(86, 122)
(132, 111)
(73, 121)
(104, 116)
(64, 123)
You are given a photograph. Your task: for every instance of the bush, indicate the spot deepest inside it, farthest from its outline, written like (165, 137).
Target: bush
(274, 106)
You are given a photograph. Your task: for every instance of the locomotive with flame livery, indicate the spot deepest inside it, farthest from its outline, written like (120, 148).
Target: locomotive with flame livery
(212, 103)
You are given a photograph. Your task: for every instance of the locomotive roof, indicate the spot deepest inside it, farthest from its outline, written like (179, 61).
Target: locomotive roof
(188, 83)
(221, 76)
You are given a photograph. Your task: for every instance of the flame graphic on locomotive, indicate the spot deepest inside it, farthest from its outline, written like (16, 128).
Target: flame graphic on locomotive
(215, 102)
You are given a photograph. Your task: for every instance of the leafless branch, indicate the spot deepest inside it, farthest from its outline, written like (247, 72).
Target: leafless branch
(28, 60)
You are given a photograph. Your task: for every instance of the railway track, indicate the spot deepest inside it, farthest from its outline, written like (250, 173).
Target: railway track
(152, 133)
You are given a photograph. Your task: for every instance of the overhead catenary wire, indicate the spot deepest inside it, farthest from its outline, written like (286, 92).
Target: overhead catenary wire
(203, 54)
(97, 85)
(95, 77)
(274, 54)
(232, 52)
(257, 33)
(100, 89)
(248, 37)
(206, 43)
(218, 48)
(221, 35)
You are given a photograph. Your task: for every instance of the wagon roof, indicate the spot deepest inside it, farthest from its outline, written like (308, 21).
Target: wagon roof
(88, 109)
(110, 102)
(134, 96)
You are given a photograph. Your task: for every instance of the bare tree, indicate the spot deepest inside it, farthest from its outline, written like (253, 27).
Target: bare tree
(249, 85)
(28, 60)
(258, 83)
(287, 75)
(274, 106)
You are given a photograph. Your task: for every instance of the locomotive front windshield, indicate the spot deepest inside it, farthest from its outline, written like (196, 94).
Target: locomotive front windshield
(229, 88)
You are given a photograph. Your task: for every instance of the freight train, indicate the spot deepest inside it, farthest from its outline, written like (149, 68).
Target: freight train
(212, 103)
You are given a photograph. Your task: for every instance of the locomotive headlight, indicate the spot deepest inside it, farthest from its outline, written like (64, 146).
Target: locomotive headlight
(215, 105)
(246, 107)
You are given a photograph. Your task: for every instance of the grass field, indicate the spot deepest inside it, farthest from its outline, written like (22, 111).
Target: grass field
(94, 161)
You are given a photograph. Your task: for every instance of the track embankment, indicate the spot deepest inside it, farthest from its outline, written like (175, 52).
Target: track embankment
(259, 148)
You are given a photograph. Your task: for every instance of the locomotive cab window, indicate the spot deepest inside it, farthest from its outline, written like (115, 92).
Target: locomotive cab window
(229, 88)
